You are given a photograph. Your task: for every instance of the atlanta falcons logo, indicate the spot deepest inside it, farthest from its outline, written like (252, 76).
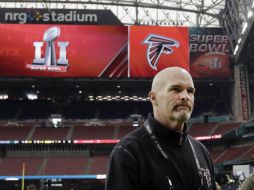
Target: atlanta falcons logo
(158, 45)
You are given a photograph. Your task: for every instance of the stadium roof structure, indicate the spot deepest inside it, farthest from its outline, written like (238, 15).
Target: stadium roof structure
(205, 13)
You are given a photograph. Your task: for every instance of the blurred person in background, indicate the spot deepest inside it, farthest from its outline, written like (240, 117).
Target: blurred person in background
(161, 155)
(248, 184)
(218, 187)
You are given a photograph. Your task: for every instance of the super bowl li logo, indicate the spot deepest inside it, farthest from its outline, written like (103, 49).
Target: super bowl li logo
(49, 62)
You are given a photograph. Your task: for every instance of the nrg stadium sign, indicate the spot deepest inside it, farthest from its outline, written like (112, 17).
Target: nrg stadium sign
(58, 16)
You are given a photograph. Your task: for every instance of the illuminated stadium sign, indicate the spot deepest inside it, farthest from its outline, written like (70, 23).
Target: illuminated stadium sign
(49, 62)
(209, 53)
(58, 16)
(39, 50)
(153, 48)
(42, 50)
(158, 45)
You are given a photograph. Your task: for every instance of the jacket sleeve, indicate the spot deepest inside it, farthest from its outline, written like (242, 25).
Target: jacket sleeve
(212, 172)
(122, 171)
(211, 167)
(210, 164)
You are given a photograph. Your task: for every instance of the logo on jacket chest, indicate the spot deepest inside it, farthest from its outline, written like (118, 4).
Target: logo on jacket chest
(206, 177)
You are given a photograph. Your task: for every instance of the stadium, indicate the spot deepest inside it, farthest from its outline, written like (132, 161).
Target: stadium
(75, 78)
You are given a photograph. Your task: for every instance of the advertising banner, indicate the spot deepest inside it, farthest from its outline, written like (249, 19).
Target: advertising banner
(63, 51)
(244, 92)
(58, 16)
(209, 53)
(153, 48)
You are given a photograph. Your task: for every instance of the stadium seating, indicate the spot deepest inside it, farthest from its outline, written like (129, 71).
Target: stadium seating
(249, 154)
(216, 153)
(50, 133)
(221, 128)
(13, 165)
(65, 165)
(233, 153)
(123, 130)
(213, 128)
(15, 132)
(93, 132)
(202, 129)
(99, 164)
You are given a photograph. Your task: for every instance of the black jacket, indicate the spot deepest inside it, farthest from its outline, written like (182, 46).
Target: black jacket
(136, 163)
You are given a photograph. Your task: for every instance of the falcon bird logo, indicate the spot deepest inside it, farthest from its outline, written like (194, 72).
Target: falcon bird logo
(158, 45)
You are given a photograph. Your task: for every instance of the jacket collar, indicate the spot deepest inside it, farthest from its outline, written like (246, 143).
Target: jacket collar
(167, 135)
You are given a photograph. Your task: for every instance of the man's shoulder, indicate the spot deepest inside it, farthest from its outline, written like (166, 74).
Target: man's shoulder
(130, 144)
(133, 137)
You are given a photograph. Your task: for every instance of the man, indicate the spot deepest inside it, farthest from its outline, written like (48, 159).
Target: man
(161, 155)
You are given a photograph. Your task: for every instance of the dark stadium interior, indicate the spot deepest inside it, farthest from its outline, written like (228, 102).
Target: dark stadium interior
(83, 118)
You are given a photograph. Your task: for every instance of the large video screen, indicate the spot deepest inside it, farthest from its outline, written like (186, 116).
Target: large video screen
(84, 51)
(61, 50)
(154, 48)
(209, 53)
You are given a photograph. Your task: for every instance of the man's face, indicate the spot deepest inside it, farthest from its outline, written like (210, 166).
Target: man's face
(175, 98)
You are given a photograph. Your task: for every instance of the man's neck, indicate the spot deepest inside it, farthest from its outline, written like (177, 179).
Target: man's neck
(174, 125)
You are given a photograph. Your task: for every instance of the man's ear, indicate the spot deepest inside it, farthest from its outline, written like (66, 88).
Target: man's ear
(152, 96)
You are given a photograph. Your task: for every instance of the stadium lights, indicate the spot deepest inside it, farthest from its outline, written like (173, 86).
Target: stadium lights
(239, 40)
(4, 96)
(135, 119)
(56, 185)
(117, 98)
(101, 176)
(250, 13)
(56, 121)
(31, 96)
(11, 179)
(135, 124)
(91, 98)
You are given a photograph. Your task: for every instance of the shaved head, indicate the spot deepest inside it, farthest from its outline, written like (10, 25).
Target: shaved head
(172, 97)
(165, 75)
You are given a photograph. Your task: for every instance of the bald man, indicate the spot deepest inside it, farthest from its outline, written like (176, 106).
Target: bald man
(161, 155)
